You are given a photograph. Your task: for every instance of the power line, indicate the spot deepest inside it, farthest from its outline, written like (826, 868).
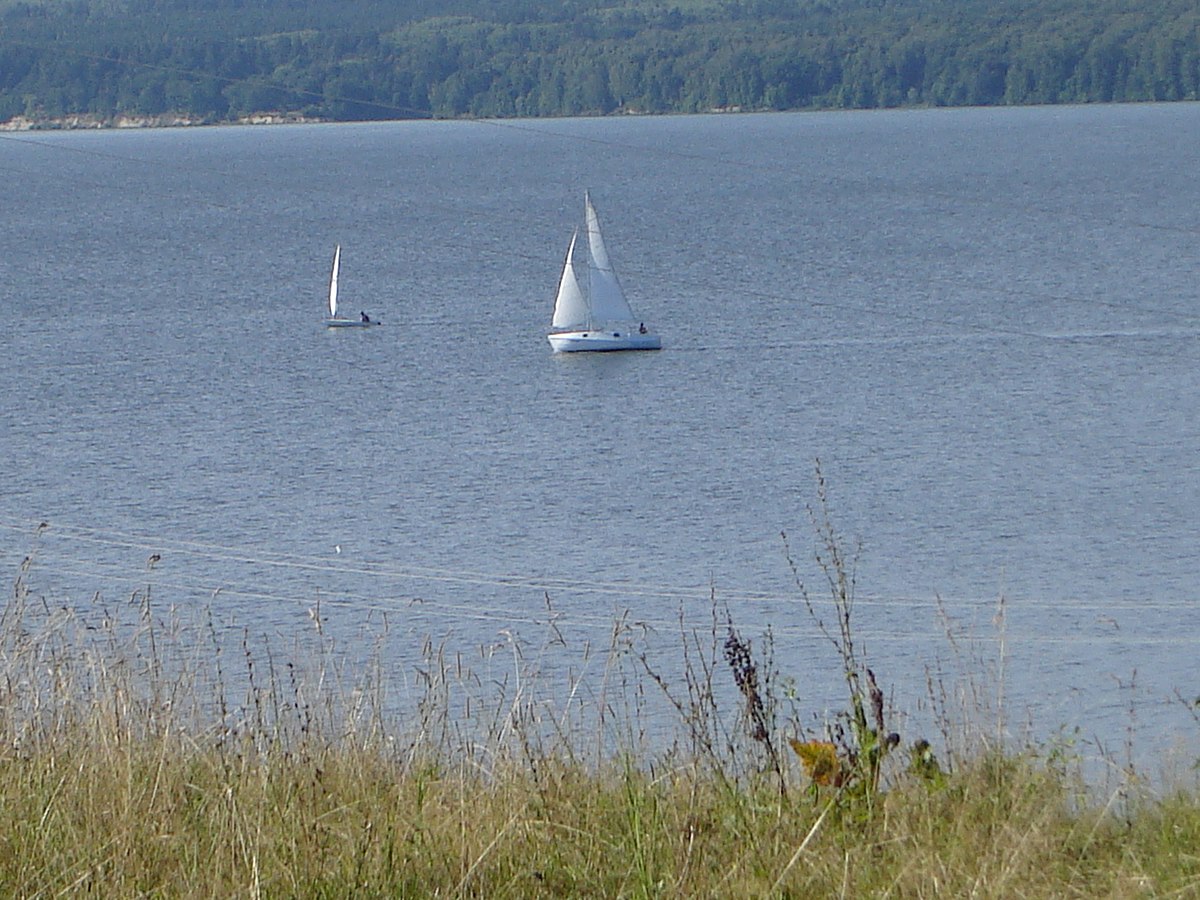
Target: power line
(740, 600)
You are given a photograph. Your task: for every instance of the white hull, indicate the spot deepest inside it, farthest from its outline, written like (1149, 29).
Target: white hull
(348, 323)
(601, 341)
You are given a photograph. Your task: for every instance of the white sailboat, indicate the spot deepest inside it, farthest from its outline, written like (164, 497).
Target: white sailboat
(601, 318)
(334, 321)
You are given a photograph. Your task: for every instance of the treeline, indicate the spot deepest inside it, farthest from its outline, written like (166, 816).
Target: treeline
(374, 59)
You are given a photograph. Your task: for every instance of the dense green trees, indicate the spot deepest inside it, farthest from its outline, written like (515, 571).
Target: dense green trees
(364, 59)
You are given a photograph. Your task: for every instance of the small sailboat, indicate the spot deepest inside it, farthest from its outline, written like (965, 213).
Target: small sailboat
(334, 321)
(601, 318)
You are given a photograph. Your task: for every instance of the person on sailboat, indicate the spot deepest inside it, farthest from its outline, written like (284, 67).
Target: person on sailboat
(365, 318)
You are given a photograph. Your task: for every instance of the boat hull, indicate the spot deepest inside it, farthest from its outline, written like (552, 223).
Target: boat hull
(602, 341)
(349, 323)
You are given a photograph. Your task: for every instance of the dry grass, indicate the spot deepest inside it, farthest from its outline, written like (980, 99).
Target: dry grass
(166, 817)
(137, 762)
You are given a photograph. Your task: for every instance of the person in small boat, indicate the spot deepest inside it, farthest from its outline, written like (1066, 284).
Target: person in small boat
(365, 318)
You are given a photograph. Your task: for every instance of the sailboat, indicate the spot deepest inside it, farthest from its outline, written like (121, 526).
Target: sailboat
(601, 318)
(334, 321)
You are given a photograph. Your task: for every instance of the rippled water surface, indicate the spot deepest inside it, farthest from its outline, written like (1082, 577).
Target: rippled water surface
(983, 323)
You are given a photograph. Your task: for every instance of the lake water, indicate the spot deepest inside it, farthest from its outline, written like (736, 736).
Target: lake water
(983, 323)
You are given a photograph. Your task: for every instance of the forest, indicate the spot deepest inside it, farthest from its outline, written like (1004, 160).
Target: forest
(224, 60)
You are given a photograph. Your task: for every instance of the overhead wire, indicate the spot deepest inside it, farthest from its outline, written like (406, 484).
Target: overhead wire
(561, 614)
(746, 603)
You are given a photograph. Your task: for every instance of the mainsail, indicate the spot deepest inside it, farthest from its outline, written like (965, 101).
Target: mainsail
(607, 300)
(333, 281)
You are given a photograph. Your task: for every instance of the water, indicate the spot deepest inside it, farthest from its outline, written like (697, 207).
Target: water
(982, 322)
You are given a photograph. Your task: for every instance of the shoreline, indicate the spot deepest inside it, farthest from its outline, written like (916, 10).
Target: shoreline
(90, 122)
(94, 122)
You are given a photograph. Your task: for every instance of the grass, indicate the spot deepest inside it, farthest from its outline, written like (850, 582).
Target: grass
(151, 756)
(165, 817)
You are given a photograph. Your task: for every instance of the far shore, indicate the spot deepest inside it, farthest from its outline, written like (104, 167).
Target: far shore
(84, 121)
(91, 121)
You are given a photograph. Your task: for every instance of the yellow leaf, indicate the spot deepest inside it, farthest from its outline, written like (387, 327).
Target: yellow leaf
(820, 761)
